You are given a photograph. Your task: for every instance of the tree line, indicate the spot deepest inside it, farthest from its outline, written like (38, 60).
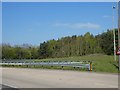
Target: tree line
(64, 47)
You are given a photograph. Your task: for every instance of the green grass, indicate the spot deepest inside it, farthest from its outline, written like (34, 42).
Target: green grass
(100, 63)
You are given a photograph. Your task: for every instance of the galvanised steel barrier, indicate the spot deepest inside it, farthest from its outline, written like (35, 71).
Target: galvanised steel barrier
(79, 64)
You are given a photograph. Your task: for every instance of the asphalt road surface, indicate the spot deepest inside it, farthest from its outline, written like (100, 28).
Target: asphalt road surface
(46, 78)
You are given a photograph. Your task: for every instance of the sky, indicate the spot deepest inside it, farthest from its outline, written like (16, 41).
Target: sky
(35, 22)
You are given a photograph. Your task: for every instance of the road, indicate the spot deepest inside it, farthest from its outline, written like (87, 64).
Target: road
(46, 78)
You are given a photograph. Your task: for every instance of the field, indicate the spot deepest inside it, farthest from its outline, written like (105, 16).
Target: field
(100, 63)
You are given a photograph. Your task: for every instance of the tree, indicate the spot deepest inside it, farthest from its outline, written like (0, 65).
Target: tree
(106, 42)
(63, 47)
(44, 51)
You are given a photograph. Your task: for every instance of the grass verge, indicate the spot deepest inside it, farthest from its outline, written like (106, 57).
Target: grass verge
(100, 63)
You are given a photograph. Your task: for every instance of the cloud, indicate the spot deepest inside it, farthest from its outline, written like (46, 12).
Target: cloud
(78, 25)
(106, 16)
(62, 24)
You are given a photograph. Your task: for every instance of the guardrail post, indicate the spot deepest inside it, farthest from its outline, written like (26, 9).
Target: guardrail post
(62, 67)
(74, 67)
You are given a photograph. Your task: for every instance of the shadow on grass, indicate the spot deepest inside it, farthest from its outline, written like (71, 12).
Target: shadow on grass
(116, 65)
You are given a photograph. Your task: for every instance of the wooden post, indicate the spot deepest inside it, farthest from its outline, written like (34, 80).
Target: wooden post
(90, 66)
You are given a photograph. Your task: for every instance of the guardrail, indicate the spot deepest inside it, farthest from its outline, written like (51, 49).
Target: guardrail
(80, 64)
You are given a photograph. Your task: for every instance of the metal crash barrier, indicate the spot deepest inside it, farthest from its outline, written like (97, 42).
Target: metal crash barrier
(76, 64)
